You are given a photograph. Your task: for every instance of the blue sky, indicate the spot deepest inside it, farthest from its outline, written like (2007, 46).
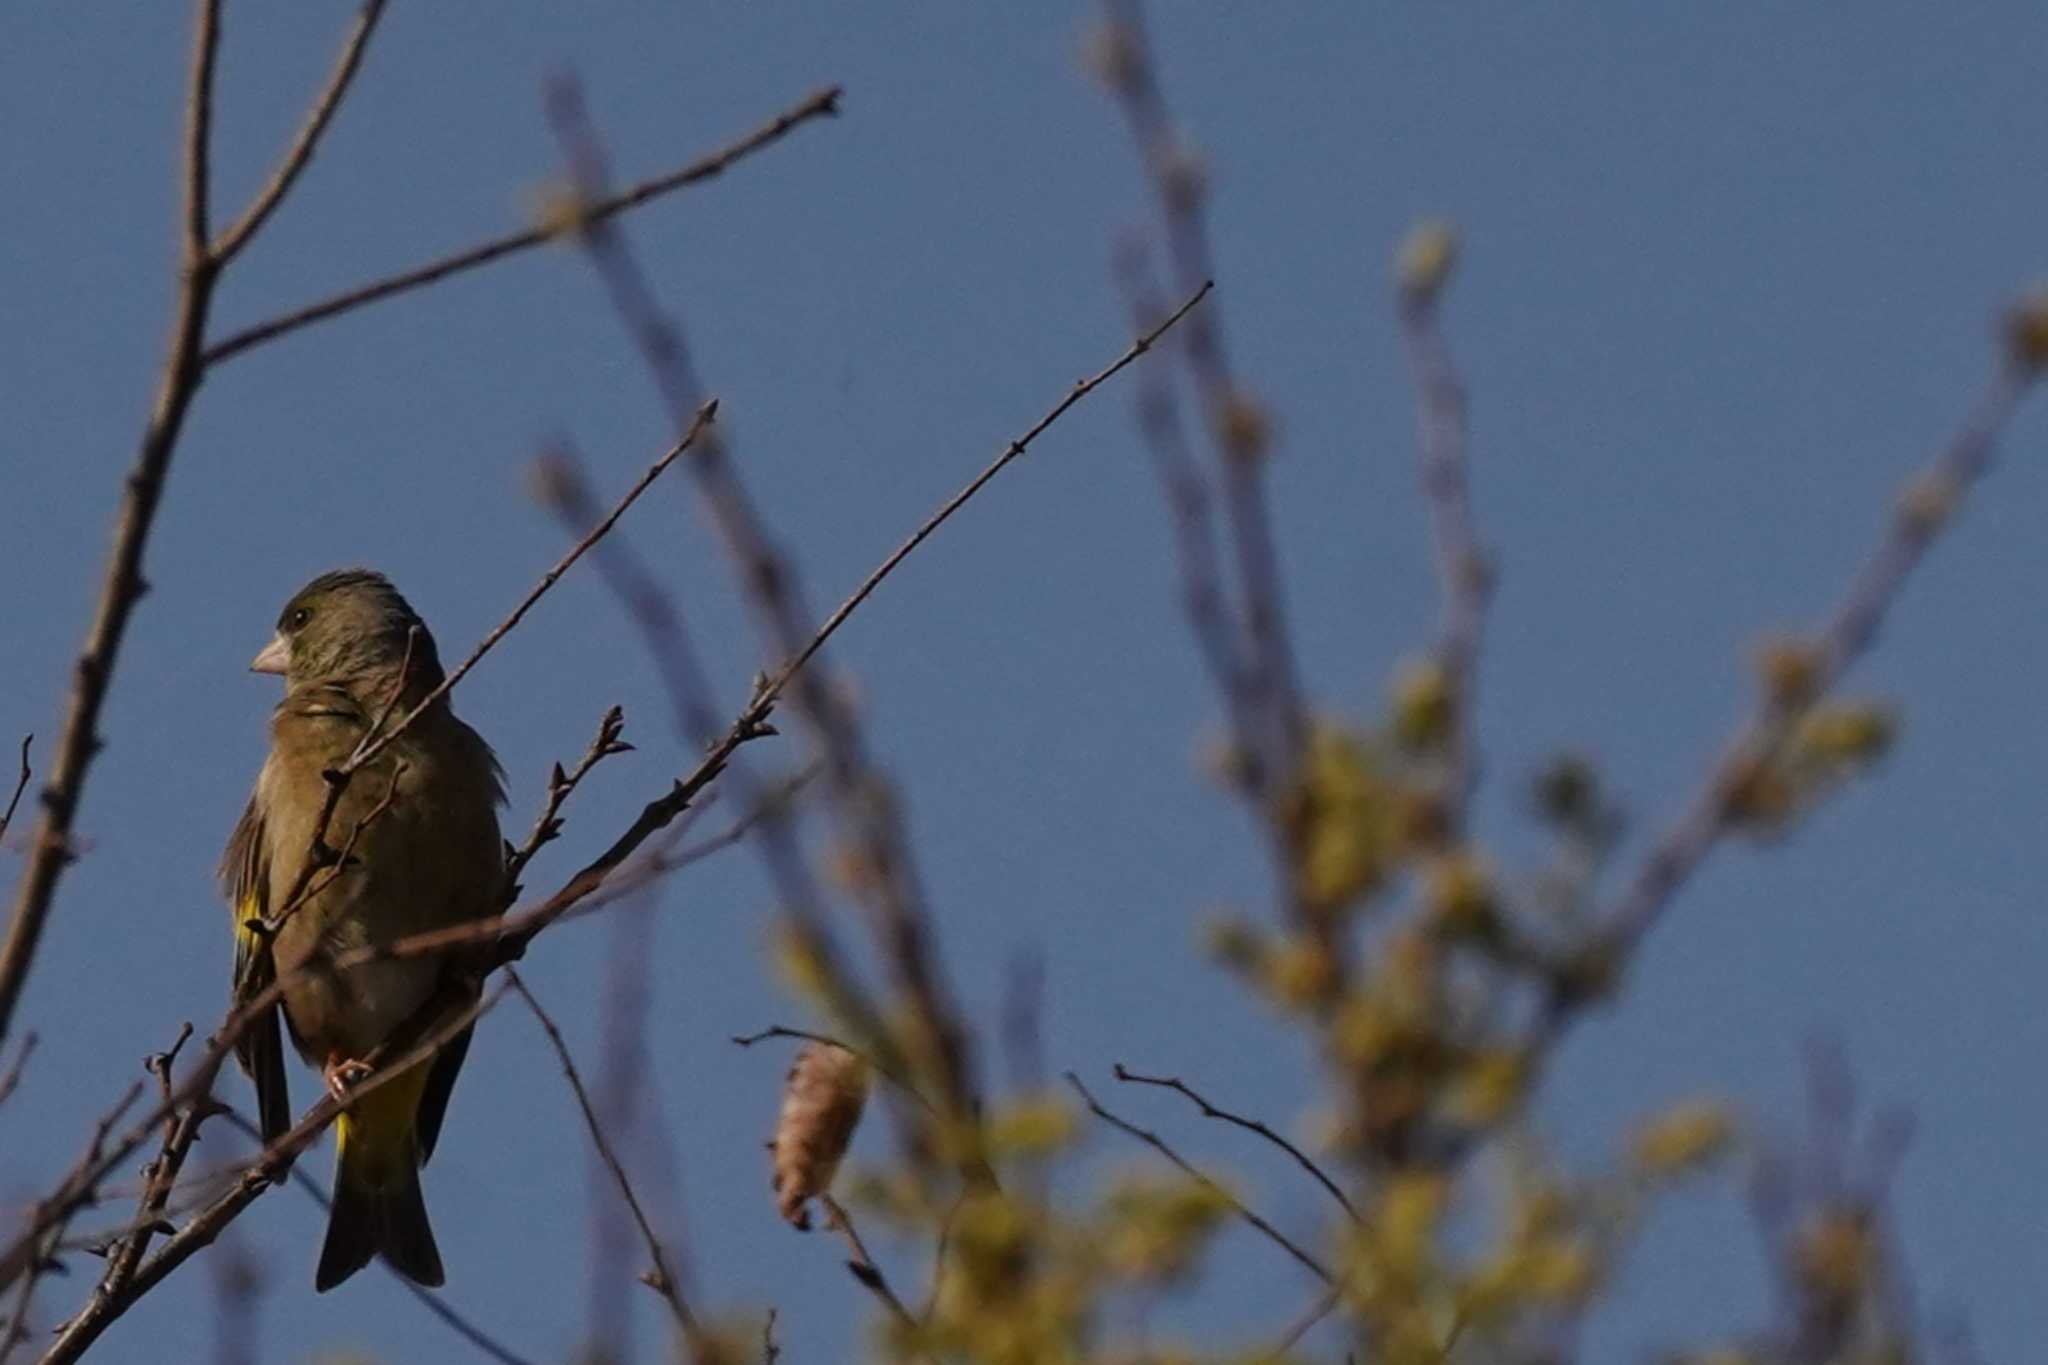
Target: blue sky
(1729, 277)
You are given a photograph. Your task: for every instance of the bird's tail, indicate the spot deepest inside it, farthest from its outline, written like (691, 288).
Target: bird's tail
(377, 1204)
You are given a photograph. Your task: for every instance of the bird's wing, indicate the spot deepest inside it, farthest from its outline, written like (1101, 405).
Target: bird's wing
(245, 876)
(481, 766)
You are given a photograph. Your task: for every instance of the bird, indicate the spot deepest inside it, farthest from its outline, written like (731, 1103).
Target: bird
(418, 827)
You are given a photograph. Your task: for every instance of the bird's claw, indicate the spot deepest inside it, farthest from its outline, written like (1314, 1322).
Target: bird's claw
(344, 1074)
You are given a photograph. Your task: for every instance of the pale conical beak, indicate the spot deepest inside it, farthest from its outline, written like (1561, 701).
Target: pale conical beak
(275, 657)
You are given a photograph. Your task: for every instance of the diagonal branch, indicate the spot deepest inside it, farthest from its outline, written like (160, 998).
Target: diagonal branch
(310, 131)
(1306, 1162)
(819, 104)
(662, 1278)
(1244, 1211)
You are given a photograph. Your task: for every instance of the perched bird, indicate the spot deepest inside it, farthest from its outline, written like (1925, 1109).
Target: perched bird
(419, 823)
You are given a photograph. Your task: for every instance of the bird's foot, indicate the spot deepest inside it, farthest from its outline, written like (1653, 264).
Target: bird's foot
(344, 1074)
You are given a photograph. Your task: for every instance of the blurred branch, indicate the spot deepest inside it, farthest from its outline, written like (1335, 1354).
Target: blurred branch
(1158, 1144)
(661, 1278)
(1928, 503)
(12, 1078)
(237, 1288)
(820, 103)
(1464, 573)
(1186, 492)
(1250, 1125)
(1239, 429)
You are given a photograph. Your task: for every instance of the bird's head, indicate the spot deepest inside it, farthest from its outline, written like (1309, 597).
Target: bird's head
(350, 628)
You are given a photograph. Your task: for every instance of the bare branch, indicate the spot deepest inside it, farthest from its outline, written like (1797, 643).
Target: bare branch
(1158, 1144)
(560, 784)
(20, 786)
(1082, 388)
(821, 103)
(317, 118)
(159, 1176)
(661, 1278)
(1250, 1125)
(199, 129)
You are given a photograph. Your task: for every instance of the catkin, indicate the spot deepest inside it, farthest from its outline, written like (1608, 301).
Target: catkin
(821, 1104)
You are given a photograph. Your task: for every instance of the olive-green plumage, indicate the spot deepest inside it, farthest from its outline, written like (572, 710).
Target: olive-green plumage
(346, 644)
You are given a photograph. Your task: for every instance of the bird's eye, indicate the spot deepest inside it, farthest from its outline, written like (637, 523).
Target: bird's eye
(300, 617)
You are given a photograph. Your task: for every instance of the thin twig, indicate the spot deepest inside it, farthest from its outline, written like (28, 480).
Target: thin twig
(707, 412)
(325, 861)
(159, 1176)
(199, 129)
(20, 786)
(548, 823)
(1082, 388)
(821, 103)
(305, 141)
(862, 1265)
(1158, 1144)
(1250, 1125)
(660, 1278)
